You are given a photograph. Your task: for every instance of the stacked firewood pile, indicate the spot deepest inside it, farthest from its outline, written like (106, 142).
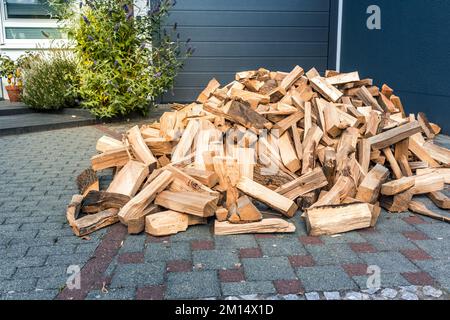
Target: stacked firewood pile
(335, 146)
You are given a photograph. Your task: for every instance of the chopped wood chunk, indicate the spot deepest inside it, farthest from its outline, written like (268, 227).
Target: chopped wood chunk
(420, 208)
(369, 189)
(329, 220)
(263, 226)
(193, 203)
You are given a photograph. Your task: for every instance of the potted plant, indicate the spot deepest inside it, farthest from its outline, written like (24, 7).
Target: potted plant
(11, 70)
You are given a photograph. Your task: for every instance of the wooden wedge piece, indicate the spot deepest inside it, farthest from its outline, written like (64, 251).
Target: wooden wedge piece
(394, 187)
(271, 225)
(388, 138)
(135, 207)
(169, 222)
(326, 89)
(331, 220)
(129, 179)
(440, 199)
(193, 203)
(420, 208)
(140, 148)
(369, 189)
(261, 193)
(96, 201)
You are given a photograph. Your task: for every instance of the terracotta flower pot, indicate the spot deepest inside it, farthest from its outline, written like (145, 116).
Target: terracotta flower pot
(14, 93)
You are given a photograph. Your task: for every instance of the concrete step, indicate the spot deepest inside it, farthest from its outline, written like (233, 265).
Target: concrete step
(34, 122)
(8, 108)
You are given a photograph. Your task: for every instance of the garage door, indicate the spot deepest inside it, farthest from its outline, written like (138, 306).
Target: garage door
(235, 35)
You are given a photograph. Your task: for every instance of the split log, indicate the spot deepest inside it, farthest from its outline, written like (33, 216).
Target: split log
(397, 203)
(265, 195)
(263, 226)
(331, 220)
(247, 211)
(425, 124)
(343, 78)
(364, 94)
(326, 90)
(369, 189)
(193, 203)
(107, 143)
(110, 159)
(185, 143)
(344, 187)
(420, 208)
(184, 182)
(213, 85)
(442, 172)
(89, 223)
(222, 214)
(291, 78)
(388, 138)
(129, 179)
(208, 178)
(288, 153)
(135, 207)
(140, 149)
(397, 172)
(96, 201)
(303, 185)
(397, 186)
(428, 183)
(169, 222)
(440, 199)
(137, 225)
(421, 153)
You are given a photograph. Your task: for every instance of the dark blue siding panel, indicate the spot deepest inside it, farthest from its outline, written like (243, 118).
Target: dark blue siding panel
(410, 53)
(235, 35)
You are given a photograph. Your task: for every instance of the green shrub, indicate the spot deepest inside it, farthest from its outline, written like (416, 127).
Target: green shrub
(125, 61)
(50, 80)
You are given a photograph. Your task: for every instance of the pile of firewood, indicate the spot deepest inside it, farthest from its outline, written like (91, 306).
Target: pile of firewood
(337, 147)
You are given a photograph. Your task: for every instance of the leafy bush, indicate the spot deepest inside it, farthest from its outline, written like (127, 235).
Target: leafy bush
(50, 80)
(125, 62)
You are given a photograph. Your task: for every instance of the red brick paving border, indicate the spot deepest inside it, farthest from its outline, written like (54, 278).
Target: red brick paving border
(288, 286)
(301, 261)
(231, 275)
(415, 235)
(419, 278)
(264, 236)
(416, 254)
(131, 258)
(152, 239)
(311, 240)
(151, 293)
(250, 253)
(362, 248)
(108, 131)
(415, 220)
(179, 266)
(91, 274)
(202, 245)
(355, 269)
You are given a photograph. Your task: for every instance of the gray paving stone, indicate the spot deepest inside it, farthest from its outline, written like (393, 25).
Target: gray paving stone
(133, 275)
(216, 259)
(16, 219)
(87, 247)
(134, 243)
(9, 227)
(325, 278)
(17, 285)
(437, 249)
(279, 247)
(438, 269)
(389, 262)
(333, 254)
(388, 223)
(24, 262)
(6, 271)
(112, 294)
(50, 250)
(332, 295)
(266, 269)
(387, 280)
(432, 292)
(192, 285)
(201, 232)
(31, 295)
(167, 251)
(388, 241)
(68, 259)
(15, 251)
(235, 242)
(57, 282)
(39, 272)
(389, 293)
(41, 226)
(350, 237)
(247, 287)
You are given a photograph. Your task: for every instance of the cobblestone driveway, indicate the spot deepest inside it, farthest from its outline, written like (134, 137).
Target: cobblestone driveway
(37, 246)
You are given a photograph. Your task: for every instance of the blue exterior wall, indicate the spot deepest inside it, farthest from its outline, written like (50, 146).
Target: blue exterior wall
(411, 52)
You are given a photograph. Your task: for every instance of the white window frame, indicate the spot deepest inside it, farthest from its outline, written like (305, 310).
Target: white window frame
(24, 23)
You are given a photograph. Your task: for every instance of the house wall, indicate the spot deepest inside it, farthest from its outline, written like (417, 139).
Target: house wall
(410, 53)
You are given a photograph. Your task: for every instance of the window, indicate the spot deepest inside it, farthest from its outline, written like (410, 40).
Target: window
(29, 9)
(27, 23)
